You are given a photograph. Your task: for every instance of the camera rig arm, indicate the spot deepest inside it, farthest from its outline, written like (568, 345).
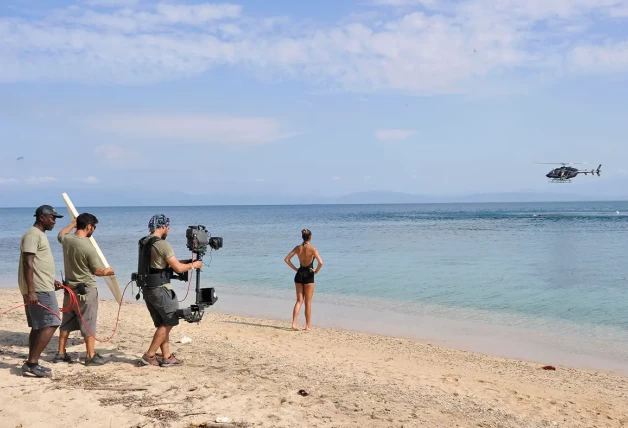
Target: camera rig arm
(198, 239)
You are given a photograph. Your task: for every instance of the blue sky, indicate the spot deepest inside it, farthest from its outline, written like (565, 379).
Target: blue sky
(320, 98)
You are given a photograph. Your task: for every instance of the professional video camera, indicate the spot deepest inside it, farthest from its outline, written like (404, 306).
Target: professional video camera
(198, 240)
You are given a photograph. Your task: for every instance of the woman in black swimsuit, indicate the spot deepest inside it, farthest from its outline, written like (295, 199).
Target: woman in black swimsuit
(304, 277)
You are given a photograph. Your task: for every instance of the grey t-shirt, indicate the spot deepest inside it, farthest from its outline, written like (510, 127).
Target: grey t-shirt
(35, 241)
(80, 260)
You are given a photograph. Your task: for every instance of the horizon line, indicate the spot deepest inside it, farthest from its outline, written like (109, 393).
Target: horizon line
(341, 204)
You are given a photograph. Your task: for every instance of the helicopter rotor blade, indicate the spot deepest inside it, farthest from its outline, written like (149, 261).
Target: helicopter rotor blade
(561, 163)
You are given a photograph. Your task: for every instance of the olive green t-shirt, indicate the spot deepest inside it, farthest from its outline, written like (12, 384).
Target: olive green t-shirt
(80, 260)
(159, 253)
(35, 241)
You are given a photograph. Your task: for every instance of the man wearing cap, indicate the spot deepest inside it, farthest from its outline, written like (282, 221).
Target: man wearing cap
(81, 264)
(36, 280)
(160, 298)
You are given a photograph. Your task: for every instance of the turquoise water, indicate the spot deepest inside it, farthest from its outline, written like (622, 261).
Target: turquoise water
(529, 264)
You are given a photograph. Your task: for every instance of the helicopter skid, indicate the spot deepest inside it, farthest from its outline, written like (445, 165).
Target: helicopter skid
(560, 180)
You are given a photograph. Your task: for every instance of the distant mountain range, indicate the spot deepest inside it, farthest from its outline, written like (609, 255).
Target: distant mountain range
(122, 197)
(406, 198)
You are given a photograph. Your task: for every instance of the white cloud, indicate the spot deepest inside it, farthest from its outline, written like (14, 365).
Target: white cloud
(91, 179)
(620, 11)
(607, 58)
(29, 180)
(111, 3)
(118, 156)
(541, 9)
(8, 180)
(197, 14)
(125, 19)
(394, 134)
(404, 3)
(442, 47)
(191, 128)
(39, 180)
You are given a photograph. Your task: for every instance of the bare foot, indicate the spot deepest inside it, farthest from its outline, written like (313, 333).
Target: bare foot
(308, 328)
(295, 327)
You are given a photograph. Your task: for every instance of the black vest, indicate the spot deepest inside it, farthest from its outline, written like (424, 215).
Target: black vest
(146, 276)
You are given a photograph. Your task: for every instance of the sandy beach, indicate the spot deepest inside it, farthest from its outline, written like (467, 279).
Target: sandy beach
(251, 371)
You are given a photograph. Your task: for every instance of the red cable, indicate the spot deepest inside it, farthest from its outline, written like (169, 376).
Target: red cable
(38, 304)
(189, 281)
(74, 302)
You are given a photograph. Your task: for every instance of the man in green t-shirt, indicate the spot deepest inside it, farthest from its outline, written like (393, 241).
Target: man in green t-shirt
(161, 301)
(81, 263)
(36, 280)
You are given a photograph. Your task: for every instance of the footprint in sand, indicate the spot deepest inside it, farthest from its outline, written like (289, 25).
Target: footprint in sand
(449, 378)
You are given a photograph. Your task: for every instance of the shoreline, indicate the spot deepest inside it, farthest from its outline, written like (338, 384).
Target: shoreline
(511, 342)
(251, 370)
(485, 336)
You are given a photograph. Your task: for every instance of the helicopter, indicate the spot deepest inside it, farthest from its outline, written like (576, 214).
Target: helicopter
(565, 174)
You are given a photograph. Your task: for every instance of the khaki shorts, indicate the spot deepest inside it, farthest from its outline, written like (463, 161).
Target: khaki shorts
(71, 321)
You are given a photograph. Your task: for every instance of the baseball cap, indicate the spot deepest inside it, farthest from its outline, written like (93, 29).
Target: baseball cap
(47, 210)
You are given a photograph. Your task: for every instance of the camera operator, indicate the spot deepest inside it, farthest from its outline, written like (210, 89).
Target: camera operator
(160, 298)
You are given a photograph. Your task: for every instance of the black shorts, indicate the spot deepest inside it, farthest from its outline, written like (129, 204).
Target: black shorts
(162, 304)
(305, 275)
(38, 317)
